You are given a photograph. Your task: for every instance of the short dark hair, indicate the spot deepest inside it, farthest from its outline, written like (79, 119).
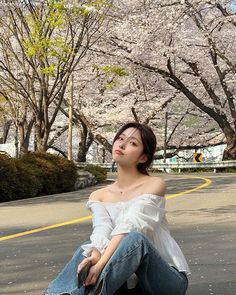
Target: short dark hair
(149, 143)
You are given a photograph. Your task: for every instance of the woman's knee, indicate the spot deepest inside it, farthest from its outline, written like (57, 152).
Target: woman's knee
(133, 240)
(135, 236)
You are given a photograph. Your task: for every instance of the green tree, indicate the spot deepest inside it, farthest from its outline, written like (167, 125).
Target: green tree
(42, 44)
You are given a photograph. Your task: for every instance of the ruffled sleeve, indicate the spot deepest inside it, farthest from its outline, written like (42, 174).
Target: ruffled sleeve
(143, 216)
(102, 227)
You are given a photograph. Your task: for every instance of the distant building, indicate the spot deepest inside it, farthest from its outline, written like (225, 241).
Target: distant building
(8, 148)
(209, 154)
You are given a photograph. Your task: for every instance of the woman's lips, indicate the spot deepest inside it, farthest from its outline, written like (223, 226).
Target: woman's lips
(118, 152)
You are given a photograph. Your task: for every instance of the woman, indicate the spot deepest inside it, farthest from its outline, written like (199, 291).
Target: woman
(131, 250)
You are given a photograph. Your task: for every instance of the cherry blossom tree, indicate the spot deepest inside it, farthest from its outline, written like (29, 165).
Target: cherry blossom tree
(5, 120)
(188, 45)
(154, 57)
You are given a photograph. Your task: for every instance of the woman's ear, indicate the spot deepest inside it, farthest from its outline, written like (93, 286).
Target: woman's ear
(143, 158)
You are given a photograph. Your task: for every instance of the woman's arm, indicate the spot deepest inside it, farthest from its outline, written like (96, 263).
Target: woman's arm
(96, 269)
(102, 227)
(94, 257)
(114, 243)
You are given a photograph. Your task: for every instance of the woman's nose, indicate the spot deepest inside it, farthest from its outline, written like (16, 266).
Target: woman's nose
(122, 145)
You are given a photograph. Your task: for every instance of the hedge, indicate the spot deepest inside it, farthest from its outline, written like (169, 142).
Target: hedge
(99, 172)
(35, 174)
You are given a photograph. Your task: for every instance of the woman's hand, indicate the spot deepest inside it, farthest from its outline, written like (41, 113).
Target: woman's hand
(82, 264)
(94, 258)
(93, 275)
(99, 264)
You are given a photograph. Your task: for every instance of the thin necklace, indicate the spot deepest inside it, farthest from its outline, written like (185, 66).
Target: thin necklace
(123, 191)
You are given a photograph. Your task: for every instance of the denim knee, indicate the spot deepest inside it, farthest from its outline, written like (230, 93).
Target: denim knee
(134, 239)
(136, 236)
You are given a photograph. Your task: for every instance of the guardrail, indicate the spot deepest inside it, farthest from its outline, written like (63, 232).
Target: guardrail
(179, 166)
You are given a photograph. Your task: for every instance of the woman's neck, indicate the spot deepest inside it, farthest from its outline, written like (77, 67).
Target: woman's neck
(127, 176)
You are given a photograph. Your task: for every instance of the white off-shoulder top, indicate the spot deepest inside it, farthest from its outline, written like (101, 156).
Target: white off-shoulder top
(145, 214)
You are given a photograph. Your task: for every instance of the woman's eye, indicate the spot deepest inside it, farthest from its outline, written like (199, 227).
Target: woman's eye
(133, 143)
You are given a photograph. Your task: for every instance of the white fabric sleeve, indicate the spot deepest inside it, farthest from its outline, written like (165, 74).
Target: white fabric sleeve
(142, 216)
(102, 227)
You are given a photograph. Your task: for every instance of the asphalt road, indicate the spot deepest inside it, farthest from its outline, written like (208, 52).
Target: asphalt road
(202, 221)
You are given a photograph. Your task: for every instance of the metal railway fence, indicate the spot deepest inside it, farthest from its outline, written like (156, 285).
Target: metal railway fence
(179, 166)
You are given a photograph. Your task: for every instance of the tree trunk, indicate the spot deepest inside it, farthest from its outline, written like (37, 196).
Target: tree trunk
(230, 150)
(24, 146)
(41, 139)
(103, 141)
(25, 132)
(230, 134)
(81, 156)
(42, 131)
(42, 144)
(6, 128)
(85, 143)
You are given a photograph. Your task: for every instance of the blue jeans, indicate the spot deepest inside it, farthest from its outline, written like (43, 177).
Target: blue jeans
(135, 254)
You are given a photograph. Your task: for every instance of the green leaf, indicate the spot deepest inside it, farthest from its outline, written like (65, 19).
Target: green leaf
(50, 71)
(111, 70)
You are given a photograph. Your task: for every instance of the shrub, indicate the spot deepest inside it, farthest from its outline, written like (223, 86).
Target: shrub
(191, 170)
(16, 182)
(66, 174)
(7, 179)
(155, 170)
(99, 172)
(27, 184)
(56, 174)
(35, 174)
(227, 170)
(43, 169)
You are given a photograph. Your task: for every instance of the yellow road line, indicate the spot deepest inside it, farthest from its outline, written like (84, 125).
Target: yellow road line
(29, 232)
(207, 182)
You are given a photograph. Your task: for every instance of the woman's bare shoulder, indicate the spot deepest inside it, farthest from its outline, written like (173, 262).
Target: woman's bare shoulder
(98, 195)
(156, 185)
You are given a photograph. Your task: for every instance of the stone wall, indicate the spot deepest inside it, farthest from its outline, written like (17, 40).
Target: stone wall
(84, 179)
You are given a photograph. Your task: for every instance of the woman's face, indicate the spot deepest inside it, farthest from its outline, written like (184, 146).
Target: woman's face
(128, 148)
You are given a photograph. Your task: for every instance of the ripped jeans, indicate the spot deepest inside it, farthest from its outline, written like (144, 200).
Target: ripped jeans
(135, 254)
